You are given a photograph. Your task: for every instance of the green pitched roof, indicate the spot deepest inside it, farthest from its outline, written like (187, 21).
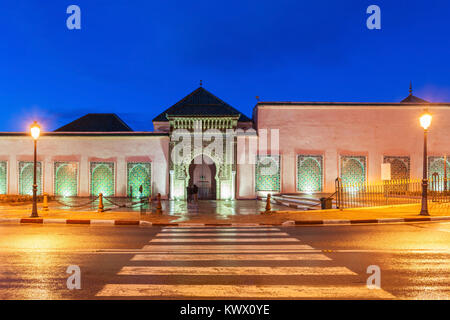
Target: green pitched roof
(96, 122)
(201, 103)
(413, 99)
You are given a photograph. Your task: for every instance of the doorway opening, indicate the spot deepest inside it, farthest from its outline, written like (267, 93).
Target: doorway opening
(202, 172)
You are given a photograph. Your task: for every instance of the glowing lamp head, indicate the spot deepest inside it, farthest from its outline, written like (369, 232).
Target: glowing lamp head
(35, 130)
(425, 120)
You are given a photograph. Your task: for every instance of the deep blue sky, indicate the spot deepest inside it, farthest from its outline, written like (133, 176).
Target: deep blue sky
(136, 58)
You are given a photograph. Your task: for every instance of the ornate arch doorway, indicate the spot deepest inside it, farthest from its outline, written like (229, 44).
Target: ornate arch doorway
(202, 173)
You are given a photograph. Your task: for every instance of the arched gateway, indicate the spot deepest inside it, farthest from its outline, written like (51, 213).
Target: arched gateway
(202, 148)
(202, 173)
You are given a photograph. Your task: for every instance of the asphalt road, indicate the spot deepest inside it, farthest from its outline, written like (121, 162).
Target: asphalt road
(234, 262)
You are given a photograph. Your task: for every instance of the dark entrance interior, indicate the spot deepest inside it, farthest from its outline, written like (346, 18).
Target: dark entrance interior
(202, 172)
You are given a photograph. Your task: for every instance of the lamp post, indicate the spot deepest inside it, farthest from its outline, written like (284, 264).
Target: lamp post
(445, 175)
(35, 132)
(425, 122)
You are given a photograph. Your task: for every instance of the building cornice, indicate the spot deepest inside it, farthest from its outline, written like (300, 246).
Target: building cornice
(351, 105)
(88, 134)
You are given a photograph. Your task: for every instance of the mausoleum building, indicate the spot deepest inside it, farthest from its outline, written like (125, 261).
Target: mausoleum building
(285, 147)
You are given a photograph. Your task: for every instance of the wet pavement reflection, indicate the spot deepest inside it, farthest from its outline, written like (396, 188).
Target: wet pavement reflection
(220, 209)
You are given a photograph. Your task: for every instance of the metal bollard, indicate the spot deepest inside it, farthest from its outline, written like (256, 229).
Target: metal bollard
(100, 203)
(45, 202)
(158, 204)
(268, 206)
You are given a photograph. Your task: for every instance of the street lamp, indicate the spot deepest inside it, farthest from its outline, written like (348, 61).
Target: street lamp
(35, 132)
(425, 122)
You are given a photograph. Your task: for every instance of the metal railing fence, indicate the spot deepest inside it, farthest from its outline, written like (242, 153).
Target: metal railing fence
(390, 192)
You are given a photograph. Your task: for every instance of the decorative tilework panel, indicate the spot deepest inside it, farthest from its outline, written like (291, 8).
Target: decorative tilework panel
(139, 174)
(66, 179)
(437, 165)
(3, 177)
(400, 167)
(102, 178)
(26, 174)
(353, 169)
(309, 173)
(267, 173)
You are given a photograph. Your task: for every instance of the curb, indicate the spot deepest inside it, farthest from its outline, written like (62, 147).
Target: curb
(363, 221)
(141, 223)
(78, 222)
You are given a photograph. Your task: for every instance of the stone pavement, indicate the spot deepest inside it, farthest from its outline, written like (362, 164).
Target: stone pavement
(241, 211)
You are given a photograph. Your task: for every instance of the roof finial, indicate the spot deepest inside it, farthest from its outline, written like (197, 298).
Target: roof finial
(201, 83)
(257, 98)
(410, 87)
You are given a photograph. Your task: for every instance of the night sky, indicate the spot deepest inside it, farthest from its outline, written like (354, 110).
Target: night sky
(137, 58)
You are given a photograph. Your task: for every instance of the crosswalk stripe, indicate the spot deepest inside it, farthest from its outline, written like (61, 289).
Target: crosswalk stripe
(220, 229)
(221, 247)
(169, 240)
(242, 291)
(231, 251)
(235, 271)
(199, 243)
(221, 234)
(229, 257)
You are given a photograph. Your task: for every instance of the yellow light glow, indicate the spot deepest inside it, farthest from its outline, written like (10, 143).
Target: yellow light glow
(425, 120)
(35, 130)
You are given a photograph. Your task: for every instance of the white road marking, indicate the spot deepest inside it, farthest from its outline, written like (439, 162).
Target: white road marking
(169, 245)
(219, 229)
(221, 247)
(242, 291)
(221, 234)
(236, 271)
(231, 251)
(228, 257)
(170, 240)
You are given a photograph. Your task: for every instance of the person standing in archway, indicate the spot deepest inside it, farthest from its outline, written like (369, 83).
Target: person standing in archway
(195, 192)
(189, 193)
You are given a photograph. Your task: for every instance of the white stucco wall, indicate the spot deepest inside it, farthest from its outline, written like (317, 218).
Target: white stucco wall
(373, 131)
(245, 167)
(330, 130)
(83, 149)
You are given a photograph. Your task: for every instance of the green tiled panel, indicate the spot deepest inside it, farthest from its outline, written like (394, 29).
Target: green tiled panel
(139, 174)
(3, 177)
(437, 165)
(66, 178)
(309, 173)
(26, 172)
(102, 178)
(267, 173)
(353, 169)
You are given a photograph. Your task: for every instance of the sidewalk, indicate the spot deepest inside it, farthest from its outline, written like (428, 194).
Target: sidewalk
(334, 216)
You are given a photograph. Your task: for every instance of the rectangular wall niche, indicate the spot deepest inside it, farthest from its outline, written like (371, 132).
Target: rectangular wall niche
(102, 178)
(26, 176)
(309, 173)
(439, 166)
(3, 177)
(400, 166)
(66, 179)
(353, 170)
(139, 175)
(267, 173)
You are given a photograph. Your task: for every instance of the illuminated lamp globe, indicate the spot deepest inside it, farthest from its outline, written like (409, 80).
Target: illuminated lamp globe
(425, 120)
(35, 130)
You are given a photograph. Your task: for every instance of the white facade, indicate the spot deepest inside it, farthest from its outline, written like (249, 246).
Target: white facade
(83, 149)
